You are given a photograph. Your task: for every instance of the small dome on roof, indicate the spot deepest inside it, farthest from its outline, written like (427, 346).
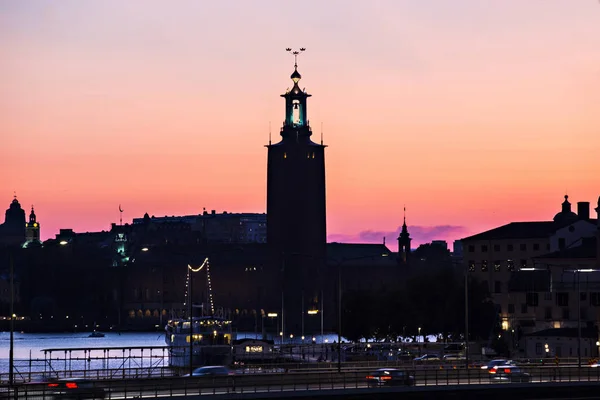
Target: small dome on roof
(566, 215)
(296, 75)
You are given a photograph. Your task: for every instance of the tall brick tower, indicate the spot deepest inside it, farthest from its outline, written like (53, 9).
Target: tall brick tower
(296, 219)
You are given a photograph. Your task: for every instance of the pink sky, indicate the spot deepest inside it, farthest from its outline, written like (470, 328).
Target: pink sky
(471, 113)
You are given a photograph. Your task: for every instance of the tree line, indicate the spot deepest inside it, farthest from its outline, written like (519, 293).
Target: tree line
(431, 302)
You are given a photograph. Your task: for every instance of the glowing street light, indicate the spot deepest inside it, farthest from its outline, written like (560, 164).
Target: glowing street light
(63, 242)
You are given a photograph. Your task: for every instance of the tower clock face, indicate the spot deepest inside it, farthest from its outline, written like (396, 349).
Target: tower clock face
(35, 225)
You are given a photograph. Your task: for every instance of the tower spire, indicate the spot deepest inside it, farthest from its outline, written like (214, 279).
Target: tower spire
(120, 215)
(295, 53)
(269, 133)
(321, 134)
(404, 243)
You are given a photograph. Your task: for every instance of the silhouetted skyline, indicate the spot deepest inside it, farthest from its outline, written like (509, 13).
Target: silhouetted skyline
(472, 114)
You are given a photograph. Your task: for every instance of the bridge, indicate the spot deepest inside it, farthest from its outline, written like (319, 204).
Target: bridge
(546, 383)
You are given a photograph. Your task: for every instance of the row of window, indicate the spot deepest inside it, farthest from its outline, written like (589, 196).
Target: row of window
(308, 155)
(540, 350)
(497, 265)
(562, 299)
(549, 312)
(509, 247)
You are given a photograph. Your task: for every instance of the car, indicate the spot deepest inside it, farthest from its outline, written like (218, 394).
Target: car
(75, 388)
(213, 370)
(498, 361)
(428, 357)
(453, 357)
(508, 373)
(390, 377)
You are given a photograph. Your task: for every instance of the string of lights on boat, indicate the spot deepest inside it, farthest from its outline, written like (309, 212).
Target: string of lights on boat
(191, 269)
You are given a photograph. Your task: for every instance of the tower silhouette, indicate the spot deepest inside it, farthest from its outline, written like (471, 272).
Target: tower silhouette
(296, 217)
(32, 229)
(404, 243)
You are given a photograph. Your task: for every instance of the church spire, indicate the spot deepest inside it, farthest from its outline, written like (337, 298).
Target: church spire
(404, 243)
(32, 217)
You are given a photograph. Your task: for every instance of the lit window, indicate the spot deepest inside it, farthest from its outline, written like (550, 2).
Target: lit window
(284, 155)
(484, 266)
(510, 265)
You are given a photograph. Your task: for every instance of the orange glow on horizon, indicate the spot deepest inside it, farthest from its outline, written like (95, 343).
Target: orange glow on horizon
(471, 115)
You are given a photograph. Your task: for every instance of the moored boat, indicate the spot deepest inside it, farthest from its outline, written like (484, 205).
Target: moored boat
(211, 341)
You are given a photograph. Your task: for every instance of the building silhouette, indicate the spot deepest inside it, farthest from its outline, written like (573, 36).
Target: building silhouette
(523, 266)
(404, 244)
(32, 230)
(12, 231)
(267, 270)
(296, 217)
(225, 227)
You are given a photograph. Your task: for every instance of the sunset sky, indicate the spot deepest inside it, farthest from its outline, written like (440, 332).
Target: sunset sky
(471, 113)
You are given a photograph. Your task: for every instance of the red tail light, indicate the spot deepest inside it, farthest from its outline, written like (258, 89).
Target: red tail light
(493, 370)
(507, 370)
(71, 385)
(385, 378)
(53, 385)
(370, 376)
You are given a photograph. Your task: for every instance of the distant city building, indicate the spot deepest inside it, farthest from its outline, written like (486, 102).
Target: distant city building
(523, 263)
(12, 231)
(457, 248)
(218, 228)
(440, 243)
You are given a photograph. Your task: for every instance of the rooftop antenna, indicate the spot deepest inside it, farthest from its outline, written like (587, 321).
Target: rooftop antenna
(14, 194)
(269, 133)
(120, 215)
(405, 214)
(295, 53)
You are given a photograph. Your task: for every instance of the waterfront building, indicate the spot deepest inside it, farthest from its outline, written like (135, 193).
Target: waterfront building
(528, 269)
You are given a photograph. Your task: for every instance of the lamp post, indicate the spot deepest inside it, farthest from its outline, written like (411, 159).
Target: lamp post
(191, 311)
(578, 320)
(11, 359)
(578, 272)
(302, 306)
(467, 316)
(339, 363)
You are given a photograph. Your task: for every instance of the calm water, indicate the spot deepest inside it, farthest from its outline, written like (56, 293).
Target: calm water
(26, 344)
(30, 345)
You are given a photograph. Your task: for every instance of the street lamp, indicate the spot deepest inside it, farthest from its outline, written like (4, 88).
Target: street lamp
(578, 273)
(11, 357)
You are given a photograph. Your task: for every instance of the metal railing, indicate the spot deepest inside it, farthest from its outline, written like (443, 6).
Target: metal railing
(295, 381)
(22, 375)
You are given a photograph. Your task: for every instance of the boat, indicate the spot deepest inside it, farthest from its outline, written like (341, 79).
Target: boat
(96, 334)
(211, 341)
(200, 340)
